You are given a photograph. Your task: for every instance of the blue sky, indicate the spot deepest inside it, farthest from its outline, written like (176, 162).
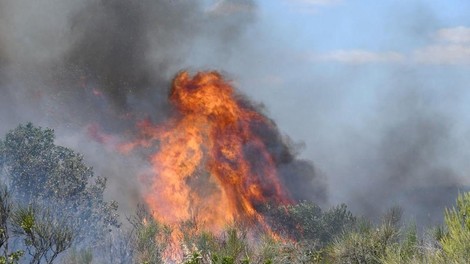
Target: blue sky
(385, 25)
(371, 40)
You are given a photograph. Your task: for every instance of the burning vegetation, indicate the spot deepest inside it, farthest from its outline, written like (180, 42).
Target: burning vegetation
(209, 164)
(219, 182)
(41, 231)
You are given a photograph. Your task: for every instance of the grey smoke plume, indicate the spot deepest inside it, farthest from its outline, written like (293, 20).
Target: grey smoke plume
(67, 64)
(383, 134)
(72, 65)
(126, 51)
(411, 164)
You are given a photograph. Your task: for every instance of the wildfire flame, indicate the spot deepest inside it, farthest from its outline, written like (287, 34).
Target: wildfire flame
(209, 165)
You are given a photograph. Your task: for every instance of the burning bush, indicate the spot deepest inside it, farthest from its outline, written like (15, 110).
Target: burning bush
(209, 164)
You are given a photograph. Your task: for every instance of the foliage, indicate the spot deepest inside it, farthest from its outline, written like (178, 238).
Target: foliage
(229, 248)
(390, 244)
(409, 250)
(5, 212)
(37, 170)
(232, 248)
(273, 251)
(42, 237)
(82, 256)
(13, 257)
(150, 238)
(366, 244)
(307, 221)
(118, 247)
(359, 242)
(6, 205)
(50, 184)
(193, 256)
(456, 242)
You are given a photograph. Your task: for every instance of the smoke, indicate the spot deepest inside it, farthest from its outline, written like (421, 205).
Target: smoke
(411, 161)
(382, 134)
(90, 69)
(71, 65)
(126, 51)
(130, 51)
(299, 176)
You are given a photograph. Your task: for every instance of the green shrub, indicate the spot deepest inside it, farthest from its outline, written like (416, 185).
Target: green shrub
(366, 244)
(307, 221)
(75, 256)
(56, 177)
(150, 238)
(456, 241)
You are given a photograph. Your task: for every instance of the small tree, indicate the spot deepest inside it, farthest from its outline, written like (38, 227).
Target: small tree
(42, 237)
(5, 213)
(37, 170)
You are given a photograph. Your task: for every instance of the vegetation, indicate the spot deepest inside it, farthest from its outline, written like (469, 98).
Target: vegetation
(456, 240)
(150, 238)
(52, 211)
(51, 200)
(38, 171)
(307, 221)
(42, 237)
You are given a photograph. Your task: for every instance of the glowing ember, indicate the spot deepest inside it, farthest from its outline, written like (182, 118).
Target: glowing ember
(209, 166)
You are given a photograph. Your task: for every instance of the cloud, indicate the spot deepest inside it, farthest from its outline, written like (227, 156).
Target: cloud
(311, 6)
(450, 46)
(456, 35)
(443, 54)
(317, 2)
(360, 57)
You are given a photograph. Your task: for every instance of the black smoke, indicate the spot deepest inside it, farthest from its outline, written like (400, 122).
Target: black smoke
(66, 64)
(93, 68)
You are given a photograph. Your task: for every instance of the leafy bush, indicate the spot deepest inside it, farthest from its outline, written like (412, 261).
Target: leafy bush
(456, 241)
(366, 243)
(150, 238)
(75, 256)
(50, 184)
(230, 247)
(41, 236)
(307, 221)
(37, 170)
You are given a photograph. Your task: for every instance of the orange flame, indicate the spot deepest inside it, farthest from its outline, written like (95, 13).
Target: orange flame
(209, 166)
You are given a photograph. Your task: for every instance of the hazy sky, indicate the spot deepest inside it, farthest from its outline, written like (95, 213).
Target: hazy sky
(321, 50)
(349, 78)
(307, 52)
